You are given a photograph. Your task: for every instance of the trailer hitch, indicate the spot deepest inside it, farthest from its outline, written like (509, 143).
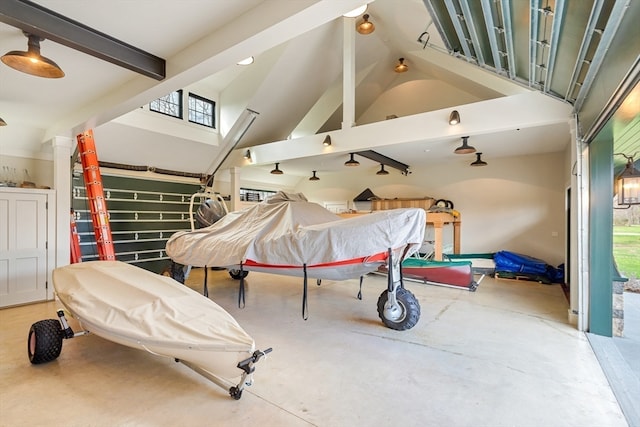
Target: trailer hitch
(247, 366)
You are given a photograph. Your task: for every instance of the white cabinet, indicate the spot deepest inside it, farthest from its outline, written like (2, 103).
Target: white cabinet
(25, 258)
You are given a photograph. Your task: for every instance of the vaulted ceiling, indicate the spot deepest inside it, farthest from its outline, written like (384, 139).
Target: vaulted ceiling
(467, 55)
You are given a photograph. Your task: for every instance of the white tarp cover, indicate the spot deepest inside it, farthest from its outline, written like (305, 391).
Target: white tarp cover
(287, 230)
(130, 303)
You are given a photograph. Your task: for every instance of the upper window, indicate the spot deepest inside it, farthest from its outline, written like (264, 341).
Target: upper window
(201, 111)
(170, 105)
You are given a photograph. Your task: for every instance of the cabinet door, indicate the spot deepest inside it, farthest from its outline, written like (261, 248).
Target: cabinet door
(23, 248)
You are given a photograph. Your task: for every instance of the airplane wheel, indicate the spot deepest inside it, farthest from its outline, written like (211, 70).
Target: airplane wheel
(45, 341)
(238, 274)
(402, 317)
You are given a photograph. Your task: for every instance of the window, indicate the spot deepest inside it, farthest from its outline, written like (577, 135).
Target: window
(201, 111)
(171, 104)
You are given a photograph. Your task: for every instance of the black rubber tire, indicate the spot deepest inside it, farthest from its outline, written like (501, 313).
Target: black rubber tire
(45, 341)
(177, 272)
(235, 392)
(410, 310)
(237, 274)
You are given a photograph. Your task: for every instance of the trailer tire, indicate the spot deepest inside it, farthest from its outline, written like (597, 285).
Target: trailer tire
(409, 314)
(238, 274)
(45, 341)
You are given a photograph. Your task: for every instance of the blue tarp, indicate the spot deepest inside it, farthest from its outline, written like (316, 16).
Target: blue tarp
(512, 262)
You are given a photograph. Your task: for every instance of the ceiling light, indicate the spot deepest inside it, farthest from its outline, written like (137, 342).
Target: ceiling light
(2, 122)
(382, 171)
(246, 61)
(247, 155)
(479, 161)
(356, 12)
(401, 67)
(365, 27)
(454, 118)
(31, 62)
(327, 141)
(465, 148)
(629, 184)
(352, 161)
(314, 177)
(277, 171)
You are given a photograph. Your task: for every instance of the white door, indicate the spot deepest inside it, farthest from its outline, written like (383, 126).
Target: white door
(23, 247)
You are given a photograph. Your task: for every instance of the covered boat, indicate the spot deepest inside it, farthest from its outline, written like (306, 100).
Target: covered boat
(140, 309)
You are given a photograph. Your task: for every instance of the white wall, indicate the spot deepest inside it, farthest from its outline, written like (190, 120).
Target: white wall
(40, 171)
(514, 204)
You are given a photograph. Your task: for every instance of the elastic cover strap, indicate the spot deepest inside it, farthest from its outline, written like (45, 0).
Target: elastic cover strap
(305, 308)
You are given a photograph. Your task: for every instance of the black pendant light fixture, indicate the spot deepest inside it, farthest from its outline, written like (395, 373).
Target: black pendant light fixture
(31, 62)
(2, 122)
(629, 183)
(314, 177)
(327, 141)
(465, 148)
(479, 161)
(277, 171)
(352, 161)
(382, 171)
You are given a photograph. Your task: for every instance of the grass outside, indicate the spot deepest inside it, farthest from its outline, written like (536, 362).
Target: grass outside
(626, 251)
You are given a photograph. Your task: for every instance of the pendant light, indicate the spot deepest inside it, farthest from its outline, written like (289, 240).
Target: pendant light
(365, 26)
(479, 161)
(401, 67)
(277, 171)
(327, 141)
(2, 122)
(314, 177)
(31, 62)
(382, 171)
(352, 161)
(465, 148)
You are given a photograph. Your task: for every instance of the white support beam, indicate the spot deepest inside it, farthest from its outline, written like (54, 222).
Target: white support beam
(484, 117)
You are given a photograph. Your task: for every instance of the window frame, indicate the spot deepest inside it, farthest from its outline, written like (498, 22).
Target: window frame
(202, 99)
(180, 105)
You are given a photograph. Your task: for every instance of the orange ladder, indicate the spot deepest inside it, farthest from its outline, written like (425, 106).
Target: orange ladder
(76, 253)
(95, 194)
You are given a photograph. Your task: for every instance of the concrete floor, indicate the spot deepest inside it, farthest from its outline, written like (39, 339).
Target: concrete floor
(501, 356)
